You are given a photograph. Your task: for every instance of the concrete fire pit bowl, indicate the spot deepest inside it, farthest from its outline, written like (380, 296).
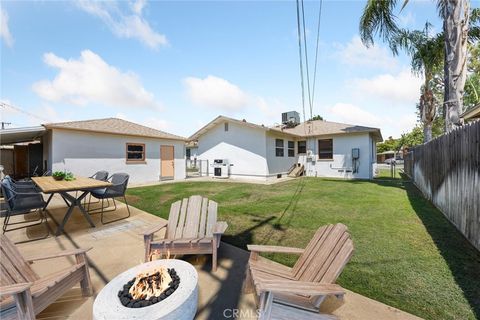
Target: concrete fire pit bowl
(180, 305)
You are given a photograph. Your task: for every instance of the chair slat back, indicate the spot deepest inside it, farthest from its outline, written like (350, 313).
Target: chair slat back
(194, 217)
(325, 256)
(211, 218)
(192, 222)
(13, 268)
(173, 219)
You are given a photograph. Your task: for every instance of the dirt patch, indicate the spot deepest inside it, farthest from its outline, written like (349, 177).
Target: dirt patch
(131, 199)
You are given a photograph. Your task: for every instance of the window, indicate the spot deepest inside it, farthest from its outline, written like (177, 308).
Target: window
(135, 152)
(279, 147)
(226, 126)
(302, 146)
(325, 149)
(188, 153)
(291, 148)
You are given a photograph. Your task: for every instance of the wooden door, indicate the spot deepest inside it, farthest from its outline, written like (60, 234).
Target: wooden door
(167, 162)
(20, 156)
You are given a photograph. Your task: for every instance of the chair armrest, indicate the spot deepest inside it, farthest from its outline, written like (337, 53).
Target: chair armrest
(300, 287)
(274, 249)
(14, 288)
(155, 228)
(220, 227)
(58, 255)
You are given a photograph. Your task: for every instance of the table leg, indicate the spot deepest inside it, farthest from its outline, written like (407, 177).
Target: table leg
(74, 202)
(48, 201)
(65, 219)
(82, 209)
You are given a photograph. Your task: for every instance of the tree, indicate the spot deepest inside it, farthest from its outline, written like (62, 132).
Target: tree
(378, 18)
(426, 53)
(317, 117)
(472, 86)
(388, 145)
(412, 138)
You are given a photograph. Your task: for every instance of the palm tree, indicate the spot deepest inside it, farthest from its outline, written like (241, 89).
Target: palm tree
(426, 53)
(378, 18)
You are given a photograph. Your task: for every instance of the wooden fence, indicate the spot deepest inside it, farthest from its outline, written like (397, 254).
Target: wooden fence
(447, 171)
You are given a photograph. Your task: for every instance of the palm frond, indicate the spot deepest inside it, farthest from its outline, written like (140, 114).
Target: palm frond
(378, 18)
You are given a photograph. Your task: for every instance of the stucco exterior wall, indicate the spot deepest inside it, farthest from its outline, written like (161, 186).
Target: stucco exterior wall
(276, 164)
(243, 146)
(341, 163)
(84, 153)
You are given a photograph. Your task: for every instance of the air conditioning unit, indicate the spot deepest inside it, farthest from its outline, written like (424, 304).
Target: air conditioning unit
(291, 118)
(221, 168)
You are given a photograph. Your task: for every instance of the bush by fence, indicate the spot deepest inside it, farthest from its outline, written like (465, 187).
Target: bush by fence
(447, 171)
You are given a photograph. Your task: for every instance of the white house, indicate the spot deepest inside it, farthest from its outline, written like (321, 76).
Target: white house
(115, 145)
(326, 149)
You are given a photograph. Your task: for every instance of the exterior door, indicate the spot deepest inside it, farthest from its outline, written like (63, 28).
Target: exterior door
(20, 155)
(167, 163)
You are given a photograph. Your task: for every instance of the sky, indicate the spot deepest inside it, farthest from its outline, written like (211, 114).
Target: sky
(176, 65)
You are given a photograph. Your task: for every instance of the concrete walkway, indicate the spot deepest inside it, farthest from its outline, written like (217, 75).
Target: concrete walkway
(119, 246)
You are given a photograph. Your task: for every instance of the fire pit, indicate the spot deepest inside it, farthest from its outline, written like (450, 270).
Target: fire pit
(161, 289)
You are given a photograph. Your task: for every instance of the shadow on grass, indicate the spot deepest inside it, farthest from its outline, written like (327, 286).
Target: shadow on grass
(230, 291)
(461, 256)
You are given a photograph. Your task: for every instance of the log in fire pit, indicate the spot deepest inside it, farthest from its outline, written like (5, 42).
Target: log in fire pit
(149, 287)
(162, 289)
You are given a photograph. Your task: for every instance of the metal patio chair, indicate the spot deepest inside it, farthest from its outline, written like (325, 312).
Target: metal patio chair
(101, 175)
(21, 186)
(21, 203)
(117, 189)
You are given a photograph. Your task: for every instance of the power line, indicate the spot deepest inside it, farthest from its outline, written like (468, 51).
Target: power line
(316, 50)
(306, 58)
(303, 31)
(300, 55)
(8, 105)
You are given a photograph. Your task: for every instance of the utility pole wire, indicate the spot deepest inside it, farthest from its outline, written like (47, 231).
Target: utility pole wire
(300, 55)
(316, 51)
(306, 58)
(7, 105)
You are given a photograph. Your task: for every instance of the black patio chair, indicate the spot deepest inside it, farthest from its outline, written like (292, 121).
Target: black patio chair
(21, 203)
(101, 175)
(117, 189)
(21, 186)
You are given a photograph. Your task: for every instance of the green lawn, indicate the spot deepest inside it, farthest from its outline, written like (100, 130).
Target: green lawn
(407, 254)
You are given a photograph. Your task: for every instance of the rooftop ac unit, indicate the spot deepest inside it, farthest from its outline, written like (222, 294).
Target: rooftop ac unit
(291, 118)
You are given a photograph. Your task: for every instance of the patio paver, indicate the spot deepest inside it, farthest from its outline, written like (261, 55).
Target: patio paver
(119, 246)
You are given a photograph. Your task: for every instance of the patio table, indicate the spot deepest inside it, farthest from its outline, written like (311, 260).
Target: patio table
(48, 185)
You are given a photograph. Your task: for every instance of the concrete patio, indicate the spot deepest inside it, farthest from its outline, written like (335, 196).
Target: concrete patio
(118, 246)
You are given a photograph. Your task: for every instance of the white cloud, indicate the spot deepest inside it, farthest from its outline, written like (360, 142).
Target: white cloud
(91, 80)
(152, 122)
(20, 116)
(353, 114)
(406, 20)
(215, 92)
(125, 25)
(389, 125)
(355, 53)
(399, 88)
(156, 123)
(4, 29)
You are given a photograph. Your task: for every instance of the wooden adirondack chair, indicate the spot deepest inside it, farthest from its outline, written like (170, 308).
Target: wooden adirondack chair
(192, 228)
(24, 294)
(311, 279)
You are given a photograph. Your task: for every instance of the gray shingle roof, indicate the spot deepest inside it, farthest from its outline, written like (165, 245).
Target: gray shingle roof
(321, 127)
(305, 129)
(113, 126)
